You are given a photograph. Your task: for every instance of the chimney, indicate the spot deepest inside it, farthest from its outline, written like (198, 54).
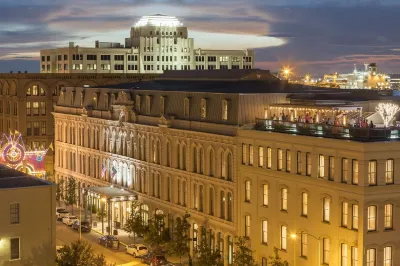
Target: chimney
(71, 44)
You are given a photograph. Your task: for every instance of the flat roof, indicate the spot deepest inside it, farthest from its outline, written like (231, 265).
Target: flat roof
(11, 178)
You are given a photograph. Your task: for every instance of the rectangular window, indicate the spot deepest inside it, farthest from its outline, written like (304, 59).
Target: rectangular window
(283, 237)
(28, 108)
(345, 177)
(265, 232)
(344, 254)
(308, 163)
(371, 257)
(372, 173)
(354, 177)
(105, 67)
(331, 173)
(269, 158)
(118, 57)
(388, 216)
(387, 256)
(389, 173)
(42, 108)
(280, 160)
(247, 226)
(265, 195)
(224, 110)
(284, 199)
(14, 248)
(327, 210)
(299, 166)
(371, 218)
(345, 209)
(261, 156)
(326, 249)
(321, 166)
(35, 108)
(288, 161)
(244, 154)
(251, 154)
(29, 128)
(118, 67)
(14, 213)
(91, 57)
(43, 128)
(247, 191)
(354, 219)
(304, 204)
(303, 251)
(203, 108)
(186, 107)
(354, 256)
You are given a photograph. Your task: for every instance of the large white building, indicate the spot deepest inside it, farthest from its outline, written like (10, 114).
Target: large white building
(156, 43)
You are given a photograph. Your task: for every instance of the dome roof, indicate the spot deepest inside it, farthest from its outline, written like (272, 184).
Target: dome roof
(158, 20)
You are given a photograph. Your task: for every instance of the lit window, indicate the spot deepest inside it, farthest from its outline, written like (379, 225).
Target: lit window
(225, 110)
(280, 159)
(355, 172)
(354, 219)
(371, 218)
(251, 154)
(299, 166)
(283, 237)
(321, 166)
(354, 256)
(387, 256)
(345, 208)
(308, 163)
(388, 216)
(247, 191)
(304, 204)
(265, 195)
(372, 172)
(371, 257)
(344, 170)
(265, 232)
(288, 160)
(344, 254)
(269, 158)
(331, 168)
(327, 210)
(247, 226)
(326, 249)
(261, 156)
(284, 199)
(203, 108)
(303, 251)
(244, 154)
(389, 171)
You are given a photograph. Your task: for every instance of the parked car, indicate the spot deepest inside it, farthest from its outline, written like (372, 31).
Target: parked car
(137, 250)
(154, 259)
(85, 226)
(108, 241)
(69, 220)
(61, 215)
(59, 209)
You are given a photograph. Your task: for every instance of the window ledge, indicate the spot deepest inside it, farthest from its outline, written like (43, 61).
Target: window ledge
(326, 222)
(388, 230)
(264, 206)
(304, 216)
(264, 244)
(284, 211)
(304, 257)
(372, 231)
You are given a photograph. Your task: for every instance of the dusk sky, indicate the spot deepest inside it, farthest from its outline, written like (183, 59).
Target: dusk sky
(312, 36)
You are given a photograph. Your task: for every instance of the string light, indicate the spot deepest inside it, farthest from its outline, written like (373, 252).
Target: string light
(387, 111)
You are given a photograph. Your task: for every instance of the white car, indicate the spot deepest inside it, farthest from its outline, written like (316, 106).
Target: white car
(69, 220)
(137, 250)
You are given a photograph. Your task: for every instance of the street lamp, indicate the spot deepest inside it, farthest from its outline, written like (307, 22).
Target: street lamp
(294, 236)
(286, 72)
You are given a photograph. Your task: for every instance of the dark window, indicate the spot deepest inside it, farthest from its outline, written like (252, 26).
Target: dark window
(36, 128)
(43, 58)
(132, 67)
(119, 57)
(14, 213)
(212, 59)
(118, 67)
(29, 129)
(65, 57)
(48, 58)
(77, 57)
(14, 245)
(43, 128)
(91, 57)
(105, 57)
(132, 57)
(59, 57)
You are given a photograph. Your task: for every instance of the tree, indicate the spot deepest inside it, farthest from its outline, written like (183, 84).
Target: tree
(206, 254)
(276, 260)
(79, 253)
(71, 193)
(59, 191)
(387, 112)
(155, 234)
(242, 255)
(134, 222)
(179, 245)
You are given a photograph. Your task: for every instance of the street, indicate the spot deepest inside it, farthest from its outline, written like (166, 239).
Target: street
(66, 234)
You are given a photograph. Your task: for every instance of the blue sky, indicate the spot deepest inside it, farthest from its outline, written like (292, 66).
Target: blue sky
(312, 36)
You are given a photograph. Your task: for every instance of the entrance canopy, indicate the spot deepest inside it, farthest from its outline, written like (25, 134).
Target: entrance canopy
(111, 193)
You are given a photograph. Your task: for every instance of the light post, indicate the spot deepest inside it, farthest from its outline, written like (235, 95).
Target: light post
(294, 236)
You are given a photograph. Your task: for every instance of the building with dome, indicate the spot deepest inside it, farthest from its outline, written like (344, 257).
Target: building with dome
(156, 43)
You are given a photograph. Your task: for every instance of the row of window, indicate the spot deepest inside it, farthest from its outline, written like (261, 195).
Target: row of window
(35, 108)
(326, 164)
(8, 125)
(8, 107)
(36, 128)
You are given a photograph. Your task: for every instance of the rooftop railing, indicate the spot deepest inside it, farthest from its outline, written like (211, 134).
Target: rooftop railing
(328, 131)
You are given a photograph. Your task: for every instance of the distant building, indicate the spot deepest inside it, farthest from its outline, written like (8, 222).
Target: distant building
(156, 43)
(27, 226)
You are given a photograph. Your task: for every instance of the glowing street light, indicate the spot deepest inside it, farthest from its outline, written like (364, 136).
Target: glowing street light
(286, 72)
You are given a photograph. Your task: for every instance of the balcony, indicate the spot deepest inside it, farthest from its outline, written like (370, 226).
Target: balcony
(328, 131)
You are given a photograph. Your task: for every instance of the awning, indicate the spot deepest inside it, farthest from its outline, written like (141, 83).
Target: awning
(111, 193)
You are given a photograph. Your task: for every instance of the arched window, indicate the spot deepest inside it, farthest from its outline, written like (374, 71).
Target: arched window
(201, 160)
(194, 159)
(222, 208)
(184, 157)
(42, 92)
(35, 91)
(178, 156)
(158, 152)
(229, 167)
(212, 163)
(168, 188)
(28, 92)
(247, 192)
(168, 154)
(223, 165)
(211, 201)
(94, 100)
(144, 212)
(201, 198)
(106, 100)
(184, 188)
(230, 208)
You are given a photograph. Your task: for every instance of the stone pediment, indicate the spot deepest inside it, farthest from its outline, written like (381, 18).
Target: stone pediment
(124, 98)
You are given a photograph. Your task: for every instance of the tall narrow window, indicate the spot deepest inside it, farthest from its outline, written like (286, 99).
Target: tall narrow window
(280, 160)
(308, 163)
(247, 226)
(14, 248)
(224, 110)
(372, 173)
(201, 198)
(321, 166)
(327, 210)
(388, 216)
(168, 154)
(355, 172)
(371, 218)
(184, 197)
(284, 203)
(14, 213)
(389, 174)
(304, 204)
(211, 201)
(230, 207)
(331, 174)
(195, 201)
(212, 163)
(288, 161)
(345, 166)
(194, 159)
(203, 108)
(387, 256)
(261, 156)
(269, 158)
(265, 195)
(222, 206)
(343, 254)
(251, 154)
(138, 103)
(345, 208)
(354, 218)
(148, 104)
(283, 237)
(371, 257)
(354, 256)
(244, 154)
(247, 196)
(162, 105)
(326, 250)
(303, 247)
(186, 107)
(299, 165)
(264, 234)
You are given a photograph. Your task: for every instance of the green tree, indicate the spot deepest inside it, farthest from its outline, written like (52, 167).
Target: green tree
(79, 253)
(179, 246)
(276, 260)
(71, 193)
(206, 254)
(155, 235)
(59, 191)
(134, 222)
(242, 255)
